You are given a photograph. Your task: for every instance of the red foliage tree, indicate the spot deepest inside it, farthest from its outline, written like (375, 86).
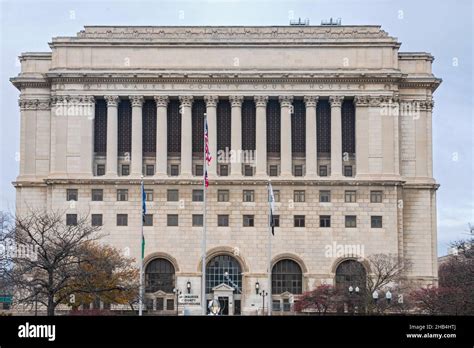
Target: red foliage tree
(320, 300)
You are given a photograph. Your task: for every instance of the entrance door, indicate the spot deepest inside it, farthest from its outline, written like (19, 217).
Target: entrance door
(224, 302)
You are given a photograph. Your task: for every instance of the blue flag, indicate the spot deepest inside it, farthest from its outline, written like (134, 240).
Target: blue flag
(143, 202)
(143, 217)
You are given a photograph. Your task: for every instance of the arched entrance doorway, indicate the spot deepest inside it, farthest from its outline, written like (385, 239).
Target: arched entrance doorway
(224, 283)
(159, 284)
(287, 280)
(351, 275)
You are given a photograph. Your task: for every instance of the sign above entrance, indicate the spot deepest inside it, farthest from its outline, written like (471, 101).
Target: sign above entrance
(189, 299)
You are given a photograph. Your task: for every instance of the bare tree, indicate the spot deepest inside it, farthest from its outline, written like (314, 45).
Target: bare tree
(49, 258)
(387, 273)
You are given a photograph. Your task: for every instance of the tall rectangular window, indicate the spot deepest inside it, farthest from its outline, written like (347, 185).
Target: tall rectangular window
(350, 196)
(198, 195)
(71, 194)
(248, 170)
(273, 170)
(148, 220)
(276, 195)
(299, 221)
(97, 195)
(172, 219)
(100, 170)
(223, 195)
(149, 195)
(325, 196)
(298, 170)
(169, 304)
(376, 196)
(224, 170)
(348, 171)
(351, 221)
(325, 221)
(299, 196)
(174, 170)
(248, 220)
(323, 170)
(222, 220)
(198, 170)
(122, 195)
(71, 219)
(122, 219)
(197, 220)
(248, 196)
(150, 170)
(172, 195)
(125, 169)
(376, 221)
(96, 219)
(276, 220)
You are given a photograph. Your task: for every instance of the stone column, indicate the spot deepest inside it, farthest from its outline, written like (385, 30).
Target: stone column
(87, 135)
(362, 134)
(211, 111)
(336, 135)
(112, 136)
(286, 158)
(161, 135)
(311, 136)
(261, 134)
(186, 135)
(236, 131)
(137, 135)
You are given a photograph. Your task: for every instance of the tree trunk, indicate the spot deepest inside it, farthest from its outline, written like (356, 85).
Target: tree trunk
(51, 306)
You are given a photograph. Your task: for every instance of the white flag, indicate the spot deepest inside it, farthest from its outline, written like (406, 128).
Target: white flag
(271, 200)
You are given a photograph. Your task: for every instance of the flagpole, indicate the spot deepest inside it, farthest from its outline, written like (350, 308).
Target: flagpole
(269, 307)
(140, 297)
(203, 246)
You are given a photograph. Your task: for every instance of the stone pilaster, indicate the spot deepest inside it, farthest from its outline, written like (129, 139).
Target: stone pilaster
(362, 134)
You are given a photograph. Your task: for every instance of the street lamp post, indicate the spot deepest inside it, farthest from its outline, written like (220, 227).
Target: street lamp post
(37, 290)
(357, 292)
(263, 294)
(177, 292)
(388, 296)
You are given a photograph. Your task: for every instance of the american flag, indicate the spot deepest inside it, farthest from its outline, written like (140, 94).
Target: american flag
(208, 153)
(206, 144)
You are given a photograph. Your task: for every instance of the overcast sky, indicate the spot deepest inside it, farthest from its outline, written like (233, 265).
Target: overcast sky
(443, 28)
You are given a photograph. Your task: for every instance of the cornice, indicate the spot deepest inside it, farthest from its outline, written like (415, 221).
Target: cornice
(221, 182)
(54, 79)
(218, 182)
(225, 35)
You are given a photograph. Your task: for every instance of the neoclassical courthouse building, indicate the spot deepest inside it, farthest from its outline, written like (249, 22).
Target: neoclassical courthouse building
(335, 116)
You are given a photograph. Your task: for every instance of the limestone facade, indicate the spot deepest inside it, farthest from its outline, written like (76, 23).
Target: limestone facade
(392, 96)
